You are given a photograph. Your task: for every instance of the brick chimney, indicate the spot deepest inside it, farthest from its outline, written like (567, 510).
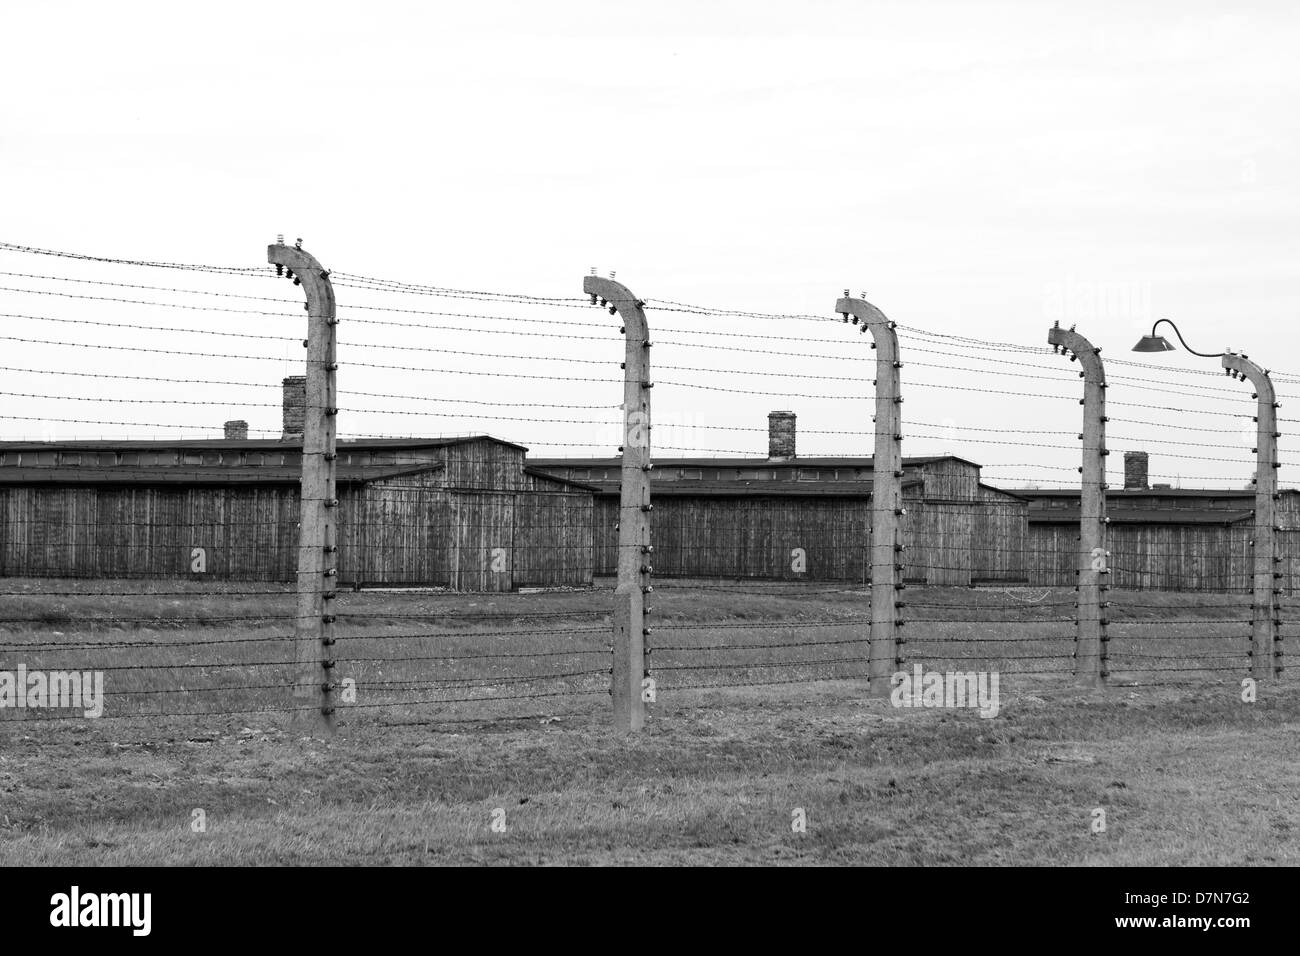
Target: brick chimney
(295, 407)
(780, 435)
(1135, 471)
(236, 430)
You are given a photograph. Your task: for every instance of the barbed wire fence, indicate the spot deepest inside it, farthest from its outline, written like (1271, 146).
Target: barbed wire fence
(178, 578)
(1118, 558)
(154, 589)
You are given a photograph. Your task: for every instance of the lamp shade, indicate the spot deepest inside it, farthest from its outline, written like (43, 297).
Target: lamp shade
(1153, 343)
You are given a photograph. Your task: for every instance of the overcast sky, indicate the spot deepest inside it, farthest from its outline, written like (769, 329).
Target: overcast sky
(978, 169)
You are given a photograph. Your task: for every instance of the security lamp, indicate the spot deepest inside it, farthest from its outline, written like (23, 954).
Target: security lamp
(1153, 343)
(1158, 343)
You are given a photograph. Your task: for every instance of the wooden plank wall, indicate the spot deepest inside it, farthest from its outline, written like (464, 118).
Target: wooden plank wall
(916, 556)
(394, 531)
(756, 537)
(1288, 541)
(256, 533)
(553, 539)
(1051, 555)
(1181, 557)
(942, 535)
(484, 465)
(1149, 556)
(481, 522)
(752, 537)
(397, 531)
(745, 537)
(950, 480)
(941, 525)
(604, 535)
(135, 531)
(999, 537)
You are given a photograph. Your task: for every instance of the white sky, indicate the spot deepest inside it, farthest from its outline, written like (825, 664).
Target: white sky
(977, 168)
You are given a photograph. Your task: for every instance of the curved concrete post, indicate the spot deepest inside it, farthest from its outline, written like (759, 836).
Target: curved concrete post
(318, 506)
(886, 495)
(1266, 648)
(634, 548)
(1090, 652)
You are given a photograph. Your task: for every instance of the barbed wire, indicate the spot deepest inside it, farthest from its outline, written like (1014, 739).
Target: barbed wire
(261, 271)
(153, 288)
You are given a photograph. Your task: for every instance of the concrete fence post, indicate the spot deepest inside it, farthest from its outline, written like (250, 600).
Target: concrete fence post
(1266, 642)
(885, 653)
(318, 504)
(631, 684)
(1090, 649)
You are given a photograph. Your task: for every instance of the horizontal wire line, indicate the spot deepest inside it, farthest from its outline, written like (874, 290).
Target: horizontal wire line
(261, 271)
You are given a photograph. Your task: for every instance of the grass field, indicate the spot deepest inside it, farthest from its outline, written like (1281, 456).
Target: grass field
(475, 708)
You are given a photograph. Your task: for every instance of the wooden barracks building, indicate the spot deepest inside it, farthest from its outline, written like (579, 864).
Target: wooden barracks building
(476, 514)
(1160, 538)
(465, 513)
(741, 517)
(747, 517)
